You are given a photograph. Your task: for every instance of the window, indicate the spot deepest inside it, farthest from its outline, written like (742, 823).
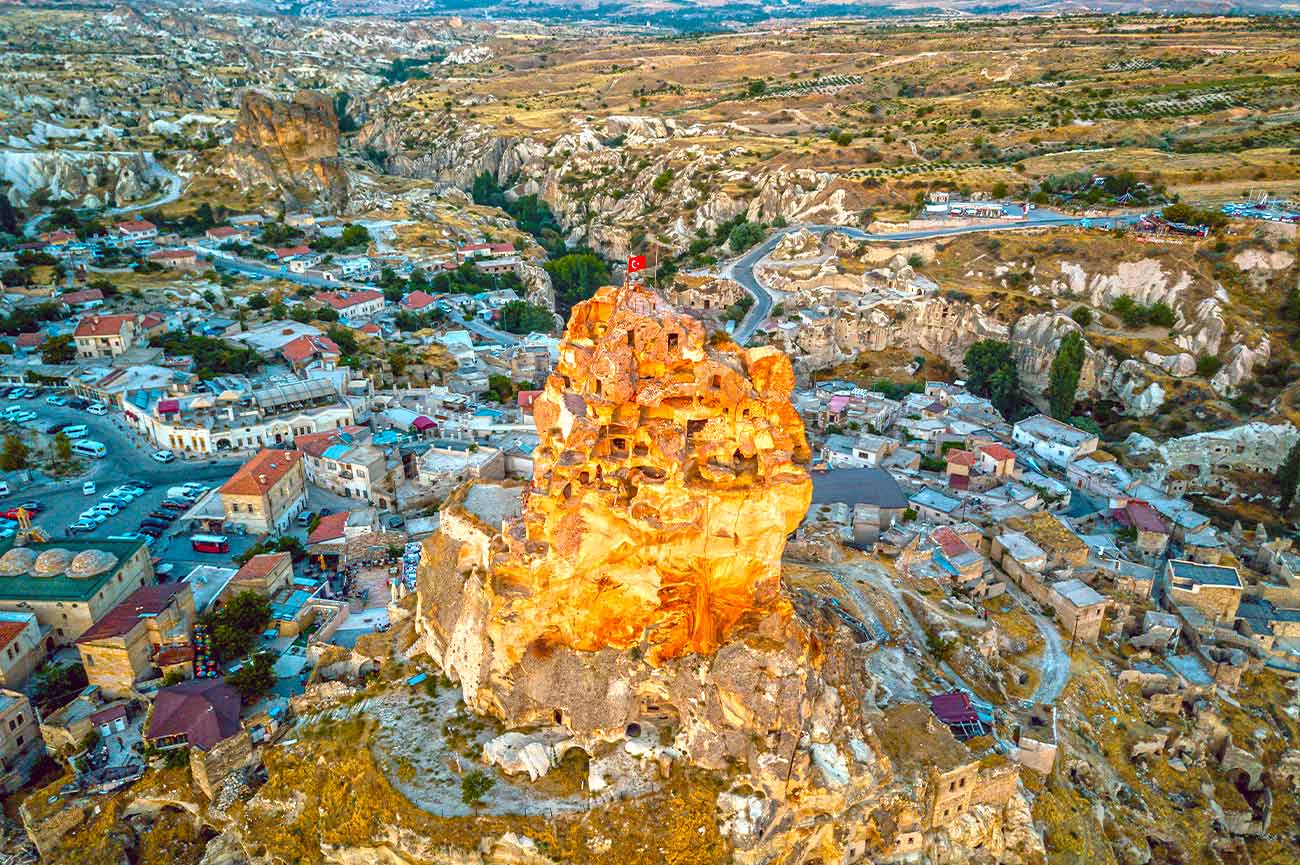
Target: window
(90, 660)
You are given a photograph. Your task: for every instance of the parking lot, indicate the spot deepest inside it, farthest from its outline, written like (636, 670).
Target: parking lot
(128, 458)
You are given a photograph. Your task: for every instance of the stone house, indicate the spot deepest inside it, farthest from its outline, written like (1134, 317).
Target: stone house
(1034, 735)
(1152, 533)
(1214, 590)
(266, 493)
(996, 460)
(20, 739)
(21, 647)
(202, 715)
(69, 585)
(1079, 607)
(264, 574)
(121, 648)
(1057, 442)
(104, 335)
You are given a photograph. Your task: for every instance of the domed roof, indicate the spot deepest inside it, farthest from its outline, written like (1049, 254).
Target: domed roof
(52, 562)
(17, 561)
(91, 562)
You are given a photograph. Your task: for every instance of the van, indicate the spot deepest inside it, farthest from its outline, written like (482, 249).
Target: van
(88, 448)
(76, 431)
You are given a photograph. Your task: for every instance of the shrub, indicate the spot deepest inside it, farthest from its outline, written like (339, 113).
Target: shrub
(1082, 316)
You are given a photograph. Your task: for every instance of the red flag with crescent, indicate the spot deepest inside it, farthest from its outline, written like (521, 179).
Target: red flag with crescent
(635, 263)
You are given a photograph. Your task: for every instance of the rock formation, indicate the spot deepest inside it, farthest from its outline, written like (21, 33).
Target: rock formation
(291, 146)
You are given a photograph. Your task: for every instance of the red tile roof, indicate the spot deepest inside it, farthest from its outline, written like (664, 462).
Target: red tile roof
(329, 528)
(30, 340)
(284, 252)
(57, 237)
(958, 457)
(369, 329)
(418, 300)
(223, 231)
(204, 711)
(135, 226)
(998, 452)
(308, 346)
(9, 631)
(316, 444)
(88, 295)
(173, 655)
(260, 473)
(949, 541)
(260, 566)
(144, 602)
(1142, 517)
(112, 713)
(172, 255)
(341, 300)
(526, 398)
(103, 325)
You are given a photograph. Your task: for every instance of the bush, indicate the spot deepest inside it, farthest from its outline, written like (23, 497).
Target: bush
(1082, 316)
(1208, 365)
(474, 786)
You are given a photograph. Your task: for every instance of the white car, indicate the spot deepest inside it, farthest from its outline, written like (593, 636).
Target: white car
(56, 400)
(88, 488)
(120, 497)
(164, 456)
(97, 408)
(110, 508)
(92, 516)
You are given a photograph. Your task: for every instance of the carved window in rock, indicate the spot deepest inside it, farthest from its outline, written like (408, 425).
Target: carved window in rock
(631, 339)
(693, 427)
(672, 340)
(619, 446)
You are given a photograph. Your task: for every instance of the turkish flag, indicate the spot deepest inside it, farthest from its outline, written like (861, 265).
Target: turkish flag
(635, 263)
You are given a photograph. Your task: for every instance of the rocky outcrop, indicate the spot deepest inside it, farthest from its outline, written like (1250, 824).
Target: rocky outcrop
(291, 146)
(1144, 280)
(82, 179)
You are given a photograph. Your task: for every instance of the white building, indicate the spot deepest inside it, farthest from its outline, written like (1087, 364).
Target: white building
(1057, 442)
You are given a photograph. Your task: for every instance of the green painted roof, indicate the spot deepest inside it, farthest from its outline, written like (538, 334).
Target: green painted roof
(61, 587)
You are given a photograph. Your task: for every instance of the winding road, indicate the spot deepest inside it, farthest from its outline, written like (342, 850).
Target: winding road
(175, 183)
(742, 268)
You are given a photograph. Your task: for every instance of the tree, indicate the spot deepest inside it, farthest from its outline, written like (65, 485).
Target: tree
(236, 624)
(1291, 307)
(418, 281)
(576, 277)
(279, 311)
(1288, 477)
(58, 349)
(343, 338)
(520, 316)
(255, 678)
(63, 448)
(744, 235)
(258, 301)
(1082, 316)
(354, 236)
(1063, 380)
(393, 293)
(14, 455)
(474, 786)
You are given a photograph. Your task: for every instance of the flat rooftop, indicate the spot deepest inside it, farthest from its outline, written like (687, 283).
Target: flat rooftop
(1194, 573)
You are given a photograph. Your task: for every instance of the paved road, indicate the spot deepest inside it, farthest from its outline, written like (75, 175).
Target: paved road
(742, 268)
(226, 261)
(174, 186)
(128, 459)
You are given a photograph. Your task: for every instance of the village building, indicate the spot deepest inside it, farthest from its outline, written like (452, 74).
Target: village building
(104, 335)
(1057, 442)
(21, 647)
(122, 648)
(265, 574)
(353, 306)
(203, 716)
(1079, 607)
(20, 740)
(174, 259)
(346, 463)
(307, 352)
(1214, 590)
(69, 585)
(266, 493)
(1151, 531)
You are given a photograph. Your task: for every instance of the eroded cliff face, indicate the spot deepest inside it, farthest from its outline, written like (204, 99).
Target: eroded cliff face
(291, 146)
(90, 180)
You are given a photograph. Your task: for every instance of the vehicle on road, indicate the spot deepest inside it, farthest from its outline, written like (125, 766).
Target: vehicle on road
(88, 448)
(304, 518)
(97, 409)
(210, 543)
(81, 526)
(164, 456)
(55, 399)
(75, 431)
(88, 488)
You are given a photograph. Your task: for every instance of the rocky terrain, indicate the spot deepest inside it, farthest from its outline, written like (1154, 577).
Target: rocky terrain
(291, 147)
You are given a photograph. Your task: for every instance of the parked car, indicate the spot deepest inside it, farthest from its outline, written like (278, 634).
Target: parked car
(304, 518)
(78, 402)
(32, 506)
(88, 488)
(164, 456)
(151, 531)
(156, 524)
(163, 515)
(55, 399)
(107, 507)
(142, 485)
(81, 526)
(174, 505)
(97, 408)
(95, 517)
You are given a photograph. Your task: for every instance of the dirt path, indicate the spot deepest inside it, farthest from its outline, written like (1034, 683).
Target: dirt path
(1055, 660)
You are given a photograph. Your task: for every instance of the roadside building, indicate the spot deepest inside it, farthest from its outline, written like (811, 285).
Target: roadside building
(1080, 609)
(346, 463)
(353, 306)
(307, 352)
(69, 585)
(203, 716)
(1057, 442)
(104, 335)
(266, 493)
(122, 648)
(174, 259)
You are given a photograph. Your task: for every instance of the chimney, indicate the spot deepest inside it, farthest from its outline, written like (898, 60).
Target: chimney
(261, 479)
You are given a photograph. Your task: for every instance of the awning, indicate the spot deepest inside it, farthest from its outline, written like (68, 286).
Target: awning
(422, 423)
(230, 396)
(169, 406)
(202, 401)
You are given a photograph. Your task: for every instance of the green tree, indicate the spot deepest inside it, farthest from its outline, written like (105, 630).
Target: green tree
(1291, 307)
(343, 338)
(58, 349)
(354, 236)
(520, 316)
(14, 455)
(279, 311)
(743, 235)
(255, 679)
(258, 301)
(418, 281)
(1082, 316)
(63, 448)
(576, 277)
(474, 786)
(1063, 380)
(1288, 477)
(236, 623)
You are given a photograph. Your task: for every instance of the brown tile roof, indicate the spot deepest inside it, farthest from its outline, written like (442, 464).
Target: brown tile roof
(144, 602)
(204, 711)
(173, 655)
(316, 444)
(136, 226)
(85, 296)
(102, 325)
(259, 566)
(260, 473)
(172, 255)
(30, 340)
(306, 346)
(9, 632)
(341, 300)
(961, 458)
(329, 528)
(998, 452)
